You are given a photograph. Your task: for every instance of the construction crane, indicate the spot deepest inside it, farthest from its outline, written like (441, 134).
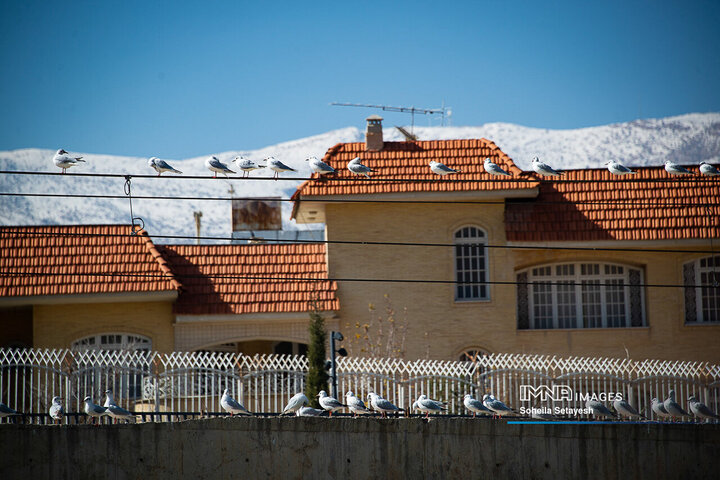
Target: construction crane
(442, 111)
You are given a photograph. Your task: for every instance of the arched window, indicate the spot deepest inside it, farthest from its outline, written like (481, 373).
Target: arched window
(702, 304)
(580, 295)
(113, 341)
(471, 271)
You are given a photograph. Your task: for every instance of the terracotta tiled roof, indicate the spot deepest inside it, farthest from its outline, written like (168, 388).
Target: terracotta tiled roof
(197, 267)
(631, 217)
(66, 260)
(409, 160)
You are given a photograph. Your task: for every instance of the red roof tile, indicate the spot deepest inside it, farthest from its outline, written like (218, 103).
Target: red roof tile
(198, 268)
(62, 260)
(631, 210)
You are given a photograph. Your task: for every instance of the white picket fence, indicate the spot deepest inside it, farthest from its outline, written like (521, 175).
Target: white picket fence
(192, 382)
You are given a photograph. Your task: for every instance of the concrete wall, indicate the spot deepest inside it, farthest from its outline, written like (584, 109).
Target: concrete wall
(444, 328)
(346, 448)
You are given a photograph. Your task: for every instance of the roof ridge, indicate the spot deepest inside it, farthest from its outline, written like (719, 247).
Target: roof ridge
(159, 258)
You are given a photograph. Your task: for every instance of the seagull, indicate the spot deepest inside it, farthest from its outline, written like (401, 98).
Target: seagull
(476, 406)
(318, 166)
(700, 409)
(56, 410)
(215, 165)
(675, 169)
(709, 170)
(356, 405)
(441, 169)
(673, 408)
(278, 167)
(496, 406)
(659, 408)
(247, 165)
(297, 401)
(308, 412)
(538, 415)
(358, 168)
(427, 405)
(329, 403)
(544, 169)
(617, 168)
(494, 169)
(624, 408)
(95, 411)
(381, 405)
(65, 161)
(232, 406)
(161, 166)
(116, 411)
(598, 408)
(6, 411)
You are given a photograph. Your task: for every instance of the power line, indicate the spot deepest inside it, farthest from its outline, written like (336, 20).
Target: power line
(4, 232)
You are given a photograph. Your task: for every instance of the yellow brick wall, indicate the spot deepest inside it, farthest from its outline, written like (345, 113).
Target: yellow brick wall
(57, 326)
(439, 325)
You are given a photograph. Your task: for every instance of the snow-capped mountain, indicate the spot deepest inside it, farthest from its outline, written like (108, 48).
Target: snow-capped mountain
(687, 139)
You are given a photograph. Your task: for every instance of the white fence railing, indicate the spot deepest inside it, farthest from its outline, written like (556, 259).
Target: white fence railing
(193, 382)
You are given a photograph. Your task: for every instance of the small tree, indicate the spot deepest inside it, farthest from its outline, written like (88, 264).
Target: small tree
(317, 376)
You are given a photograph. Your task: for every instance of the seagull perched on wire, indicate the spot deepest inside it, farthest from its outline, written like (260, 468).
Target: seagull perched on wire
(215, 165)
(161, 166)
(675, 169)
(116, 411)
(598, 408)
(673, 408)
(427, 405)
(232, 406)
(6, 411)
(94, 411)
(700, 409)
(358, 168)
(545, 169)
(278, 167)
(329, 403)
(63, 160)
(624, 408)
(356, 405)
(298, 400)
(617, 168)
(659, 408)
(381, 405)
(493, 168)
(56, 410)
(441, 169)
(496, 406)
(476, 406)
(247, 165)
(318, 166)
(709, 170)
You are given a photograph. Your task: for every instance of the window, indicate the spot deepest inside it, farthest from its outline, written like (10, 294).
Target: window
(580, 295)
(471, 265)
(113, 341)
(702, 303)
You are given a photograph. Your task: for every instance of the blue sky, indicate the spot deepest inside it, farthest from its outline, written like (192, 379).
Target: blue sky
(178, 79)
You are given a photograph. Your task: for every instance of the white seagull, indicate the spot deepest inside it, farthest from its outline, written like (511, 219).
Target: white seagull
(598, 408)
(476, 406)
(709, 170)
(298, 400)
(624, 408)
(329, 403)
(496, 406)
(358, 168)
(701, 410)
(675, 169)
(116, 411)
(65, 161)
(318, 166)
(659, 408)
(381, 405)
(494, 169)
(278, 167)
(161, 166)
(427, 405)
(247, 165)
(356, 405)
(232, 406)
(441, 169)
(216, 166)
(617, 168)
(56, 409)
(673, 408)
(545, 169)
(6, 411)
(308, 412)
(94, 411)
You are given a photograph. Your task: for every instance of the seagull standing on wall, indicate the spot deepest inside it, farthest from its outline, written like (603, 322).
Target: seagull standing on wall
(598, 408)
(545, 169)
(701, 410)
(496, 406)
(94, 411)
(318, 166)
(427, 405)
(356, 405)
(675, 169)
(381, 405)
(329, 403)
(65, 161)
(617, 168)
(215, 165)
(441, 169)
(673, 408)
(624, 408)
(709, 170)
(161, 166)
(56, 410)
(476, 406)
(494, 169)
(232, 406)
(278, 167)
(116, 411)
(358, 168)
(659, 408)
(298, 400)
(247, 165)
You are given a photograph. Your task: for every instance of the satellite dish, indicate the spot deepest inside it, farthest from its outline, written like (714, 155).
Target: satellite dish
(409, 137)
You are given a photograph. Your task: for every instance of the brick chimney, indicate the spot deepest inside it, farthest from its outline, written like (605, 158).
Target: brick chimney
(374, 135)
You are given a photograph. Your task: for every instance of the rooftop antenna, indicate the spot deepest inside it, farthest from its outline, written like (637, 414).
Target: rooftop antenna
(198, 216)
(443, 111)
